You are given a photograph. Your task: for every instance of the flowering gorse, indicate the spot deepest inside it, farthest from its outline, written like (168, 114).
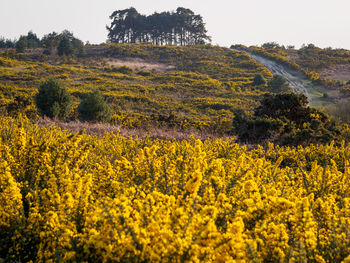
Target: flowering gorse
(78, 198)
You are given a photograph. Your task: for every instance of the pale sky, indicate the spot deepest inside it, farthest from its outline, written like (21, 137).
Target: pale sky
(249, 22)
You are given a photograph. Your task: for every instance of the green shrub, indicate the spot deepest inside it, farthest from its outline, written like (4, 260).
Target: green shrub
(144, 73)
(286, 119)
(125, 70)
(256, 130)
(53, 100)
(278, 84)
(94, 108)
(21, 44)
(65, 47)
(259, 80)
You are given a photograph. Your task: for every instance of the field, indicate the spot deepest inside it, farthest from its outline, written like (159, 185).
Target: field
(78, 198)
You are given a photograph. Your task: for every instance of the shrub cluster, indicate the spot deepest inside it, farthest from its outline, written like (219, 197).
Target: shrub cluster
(65, 44)
(202, 97)
(286, 119)
(55, 101)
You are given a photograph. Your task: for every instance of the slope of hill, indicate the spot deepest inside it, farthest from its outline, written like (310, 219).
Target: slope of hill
(329, 67)
(299, 83)
(190, 87)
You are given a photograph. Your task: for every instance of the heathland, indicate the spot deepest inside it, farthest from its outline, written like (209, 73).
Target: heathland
(96, 195)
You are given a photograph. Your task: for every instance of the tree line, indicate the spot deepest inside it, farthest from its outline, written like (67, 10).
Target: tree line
(64, 43)
(182, 27)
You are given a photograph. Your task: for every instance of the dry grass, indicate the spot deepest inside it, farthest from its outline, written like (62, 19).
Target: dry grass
(135, 63)
(100, 129)
(337, 72)
(140, 64)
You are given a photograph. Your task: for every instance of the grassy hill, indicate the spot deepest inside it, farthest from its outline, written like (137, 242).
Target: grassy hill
(195, 87)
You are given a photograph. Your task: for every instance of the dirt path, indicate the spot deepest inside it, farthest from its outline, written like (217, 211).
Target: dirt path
(297, 81)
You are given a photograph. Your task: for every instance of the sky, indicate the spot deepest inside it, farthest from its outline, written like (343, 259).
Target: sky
(249, 22)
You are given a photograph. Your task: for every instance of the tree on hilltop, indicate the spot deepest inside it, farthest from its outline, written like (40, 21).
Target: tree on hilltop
(182, 27)
(65, 47)
(21, 44)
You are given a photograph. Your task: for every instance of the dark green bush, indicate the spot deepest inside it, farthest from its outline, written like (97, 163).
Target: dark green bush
(65, 47)
(256, 130)
(53, 100)
(144, 73)
(259, 80)
(278, 84)
(285, 119)
(125, 70)
(94, 108)
(21, 44)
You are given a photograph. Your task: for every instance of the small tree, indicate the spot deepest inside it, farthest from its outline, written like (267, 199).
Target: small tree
(65, 47)
(259, 80)
(78, 47)
(53, 100)
(278, 84)
(94, 108)
(68, 45)
(21, 44)
(32, 40)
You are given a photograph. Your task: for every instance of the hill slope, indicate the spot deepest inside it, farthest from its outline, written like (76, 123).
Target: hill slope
(194, 86)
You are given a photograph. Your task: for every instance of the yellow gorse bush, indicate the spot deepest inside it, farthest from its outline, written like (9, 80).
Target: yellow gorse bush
(78, 198)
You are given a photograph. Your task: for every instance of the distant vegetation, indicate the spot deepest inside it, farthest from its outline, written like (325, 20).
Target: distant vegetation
(182, 27)
(7, 43)
(63, 44)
